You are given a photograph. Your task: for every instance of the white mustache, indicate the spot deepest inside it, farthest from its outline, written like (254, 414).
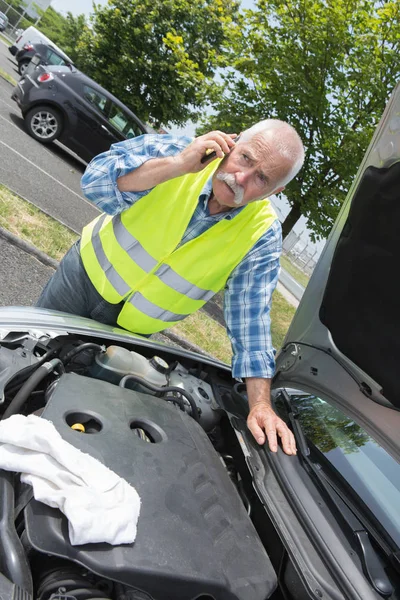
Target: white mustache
(230, 180)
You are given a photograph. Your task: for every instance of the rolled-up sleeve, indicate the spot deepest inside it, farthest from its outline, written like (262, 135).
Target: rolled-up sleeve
(247, 307)
(99, 181)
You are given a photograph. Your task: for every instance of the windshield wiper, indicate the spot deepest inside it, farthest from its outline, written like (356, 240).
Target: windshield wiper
(371, 562)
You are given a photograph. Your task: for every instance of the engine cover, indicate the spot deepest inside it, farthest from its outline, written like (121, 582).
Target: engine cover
(194, 536)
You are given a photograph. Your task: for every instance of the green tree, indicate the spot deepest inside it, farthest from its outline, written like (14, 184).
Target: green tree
(74, 29)
(53, 24)
(64, 31)
(158, 56)
(327, 427)
(327, 67)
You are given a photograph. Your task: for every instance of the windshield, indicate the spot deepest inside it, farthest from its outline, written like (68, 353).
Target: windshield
(371, 472)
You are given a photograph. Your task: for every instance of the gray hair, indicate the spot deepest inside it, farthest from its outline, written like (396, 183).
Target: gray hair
(286, 141)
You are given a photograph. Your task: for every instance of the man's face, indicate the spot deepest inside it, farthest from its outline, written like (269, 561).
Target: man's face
(251, 171)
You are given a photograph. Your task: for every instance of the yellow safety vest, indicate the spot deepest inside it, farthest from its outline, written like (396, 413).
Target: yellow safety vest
(134, 257)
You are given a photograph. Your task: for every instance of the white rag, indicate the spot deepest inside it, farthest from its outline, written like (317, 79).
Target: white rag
(100, 506)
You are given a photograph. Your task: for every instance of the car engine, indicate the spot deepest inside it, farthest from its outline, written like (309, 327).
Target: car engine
(156, 423)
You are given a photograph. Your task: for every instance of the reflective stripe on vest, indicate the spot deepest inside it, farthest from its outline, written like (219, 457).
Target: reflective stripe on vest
(135, 256)
(152, 310)
(120, 286)
(143, 259)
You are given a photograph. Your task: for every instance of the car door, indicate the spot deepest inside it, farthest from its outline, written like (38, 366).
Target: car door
(123, 124)
(92, 133)
(54, 59)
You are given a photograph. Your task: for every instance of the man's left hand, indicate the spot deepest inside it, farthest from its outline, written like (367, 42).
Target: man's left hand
(264, 422)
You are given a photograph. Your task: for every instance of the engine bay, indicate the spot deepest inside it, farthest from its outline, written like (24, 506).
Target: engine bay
(160, 421)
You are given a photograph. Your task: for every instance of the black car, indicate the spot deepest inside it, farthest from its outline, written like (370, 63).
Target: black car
(61, 103)
(46, 55)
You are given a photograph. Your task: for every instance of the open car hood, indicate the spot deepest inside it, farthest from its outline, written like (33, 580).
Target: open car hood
(344, 340)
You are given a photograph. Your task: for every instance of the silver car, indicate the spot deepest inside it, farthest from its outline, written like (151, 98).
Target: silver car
(222, 518)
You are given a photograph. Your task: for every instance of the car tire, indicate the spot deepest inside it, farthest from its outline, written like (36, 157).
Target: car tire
(44, 123)
(22, 66)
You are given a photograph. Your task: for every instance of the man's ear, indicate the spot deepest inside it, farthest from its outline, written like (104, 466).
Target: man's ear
(278, 190)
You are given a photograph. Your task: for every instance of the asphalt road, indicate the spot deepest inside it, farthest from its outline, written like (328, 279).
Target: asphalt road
(8, 65)
(22, 276)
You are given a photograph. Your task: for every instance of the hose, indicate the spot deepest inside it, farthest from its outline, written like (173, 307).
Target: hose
(24, 373)
(19, 400)
(86, 346)
(176, 400)
(13, 560)
(163, 390)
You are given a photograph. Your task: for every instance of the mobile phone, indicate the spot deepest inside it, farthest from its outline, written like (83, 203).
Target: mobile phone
(213, 154)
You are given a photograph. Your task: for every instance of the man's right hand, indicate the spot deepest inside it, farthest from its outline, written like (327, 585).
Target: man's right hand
(158, 170)
(189, 160)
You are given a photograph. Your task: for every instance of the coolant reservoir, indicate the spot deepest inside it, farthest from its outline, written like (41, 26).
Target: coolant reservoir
(117, 362)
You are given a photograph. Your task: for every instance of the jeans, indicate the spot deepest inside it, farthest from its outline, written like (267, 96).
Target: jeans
(70, 290)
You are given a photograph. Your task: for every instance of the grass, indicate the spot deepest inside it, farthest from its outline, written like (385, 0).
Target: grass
(29, 223)
(32, 225)
(5, 40)
(7, 76)
(202, 330)
(294, 271)
(282, 314)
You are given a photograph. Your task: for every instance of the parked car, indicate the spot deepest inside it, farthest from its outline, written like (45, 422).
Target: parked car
(61, 103)
(221, 517)
(45, 55)
(31, 35)
(3, 21)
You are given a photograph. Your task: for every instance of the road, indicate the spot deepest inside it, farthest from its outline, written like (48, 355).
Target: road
(22, 276)
(7, 62)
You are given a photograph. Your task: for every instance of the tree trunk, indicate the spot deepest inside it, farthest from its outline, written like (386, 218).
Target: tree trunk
(291, 220)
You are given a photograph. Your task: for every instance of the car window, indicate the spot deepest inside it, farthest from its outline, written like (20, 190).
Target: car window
(42, 50)
(123, 122)
(96, 98)
(369, 470)
(55, 59)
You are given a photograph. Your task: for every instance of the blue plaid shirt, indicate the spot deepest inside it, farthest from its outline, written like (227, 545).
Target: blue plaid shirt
(249, 288)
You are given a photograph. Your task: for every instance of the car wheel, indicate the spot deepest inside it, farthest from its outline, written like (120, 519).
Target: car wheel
(22, 67)
(44, 123)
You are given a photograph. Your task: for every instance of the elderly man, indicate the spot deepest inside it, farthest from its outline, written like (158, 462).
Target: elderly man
(189, 218)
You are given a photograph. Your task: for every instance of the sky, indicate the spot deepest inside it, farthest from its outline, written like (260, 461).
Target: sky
(77, 7)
